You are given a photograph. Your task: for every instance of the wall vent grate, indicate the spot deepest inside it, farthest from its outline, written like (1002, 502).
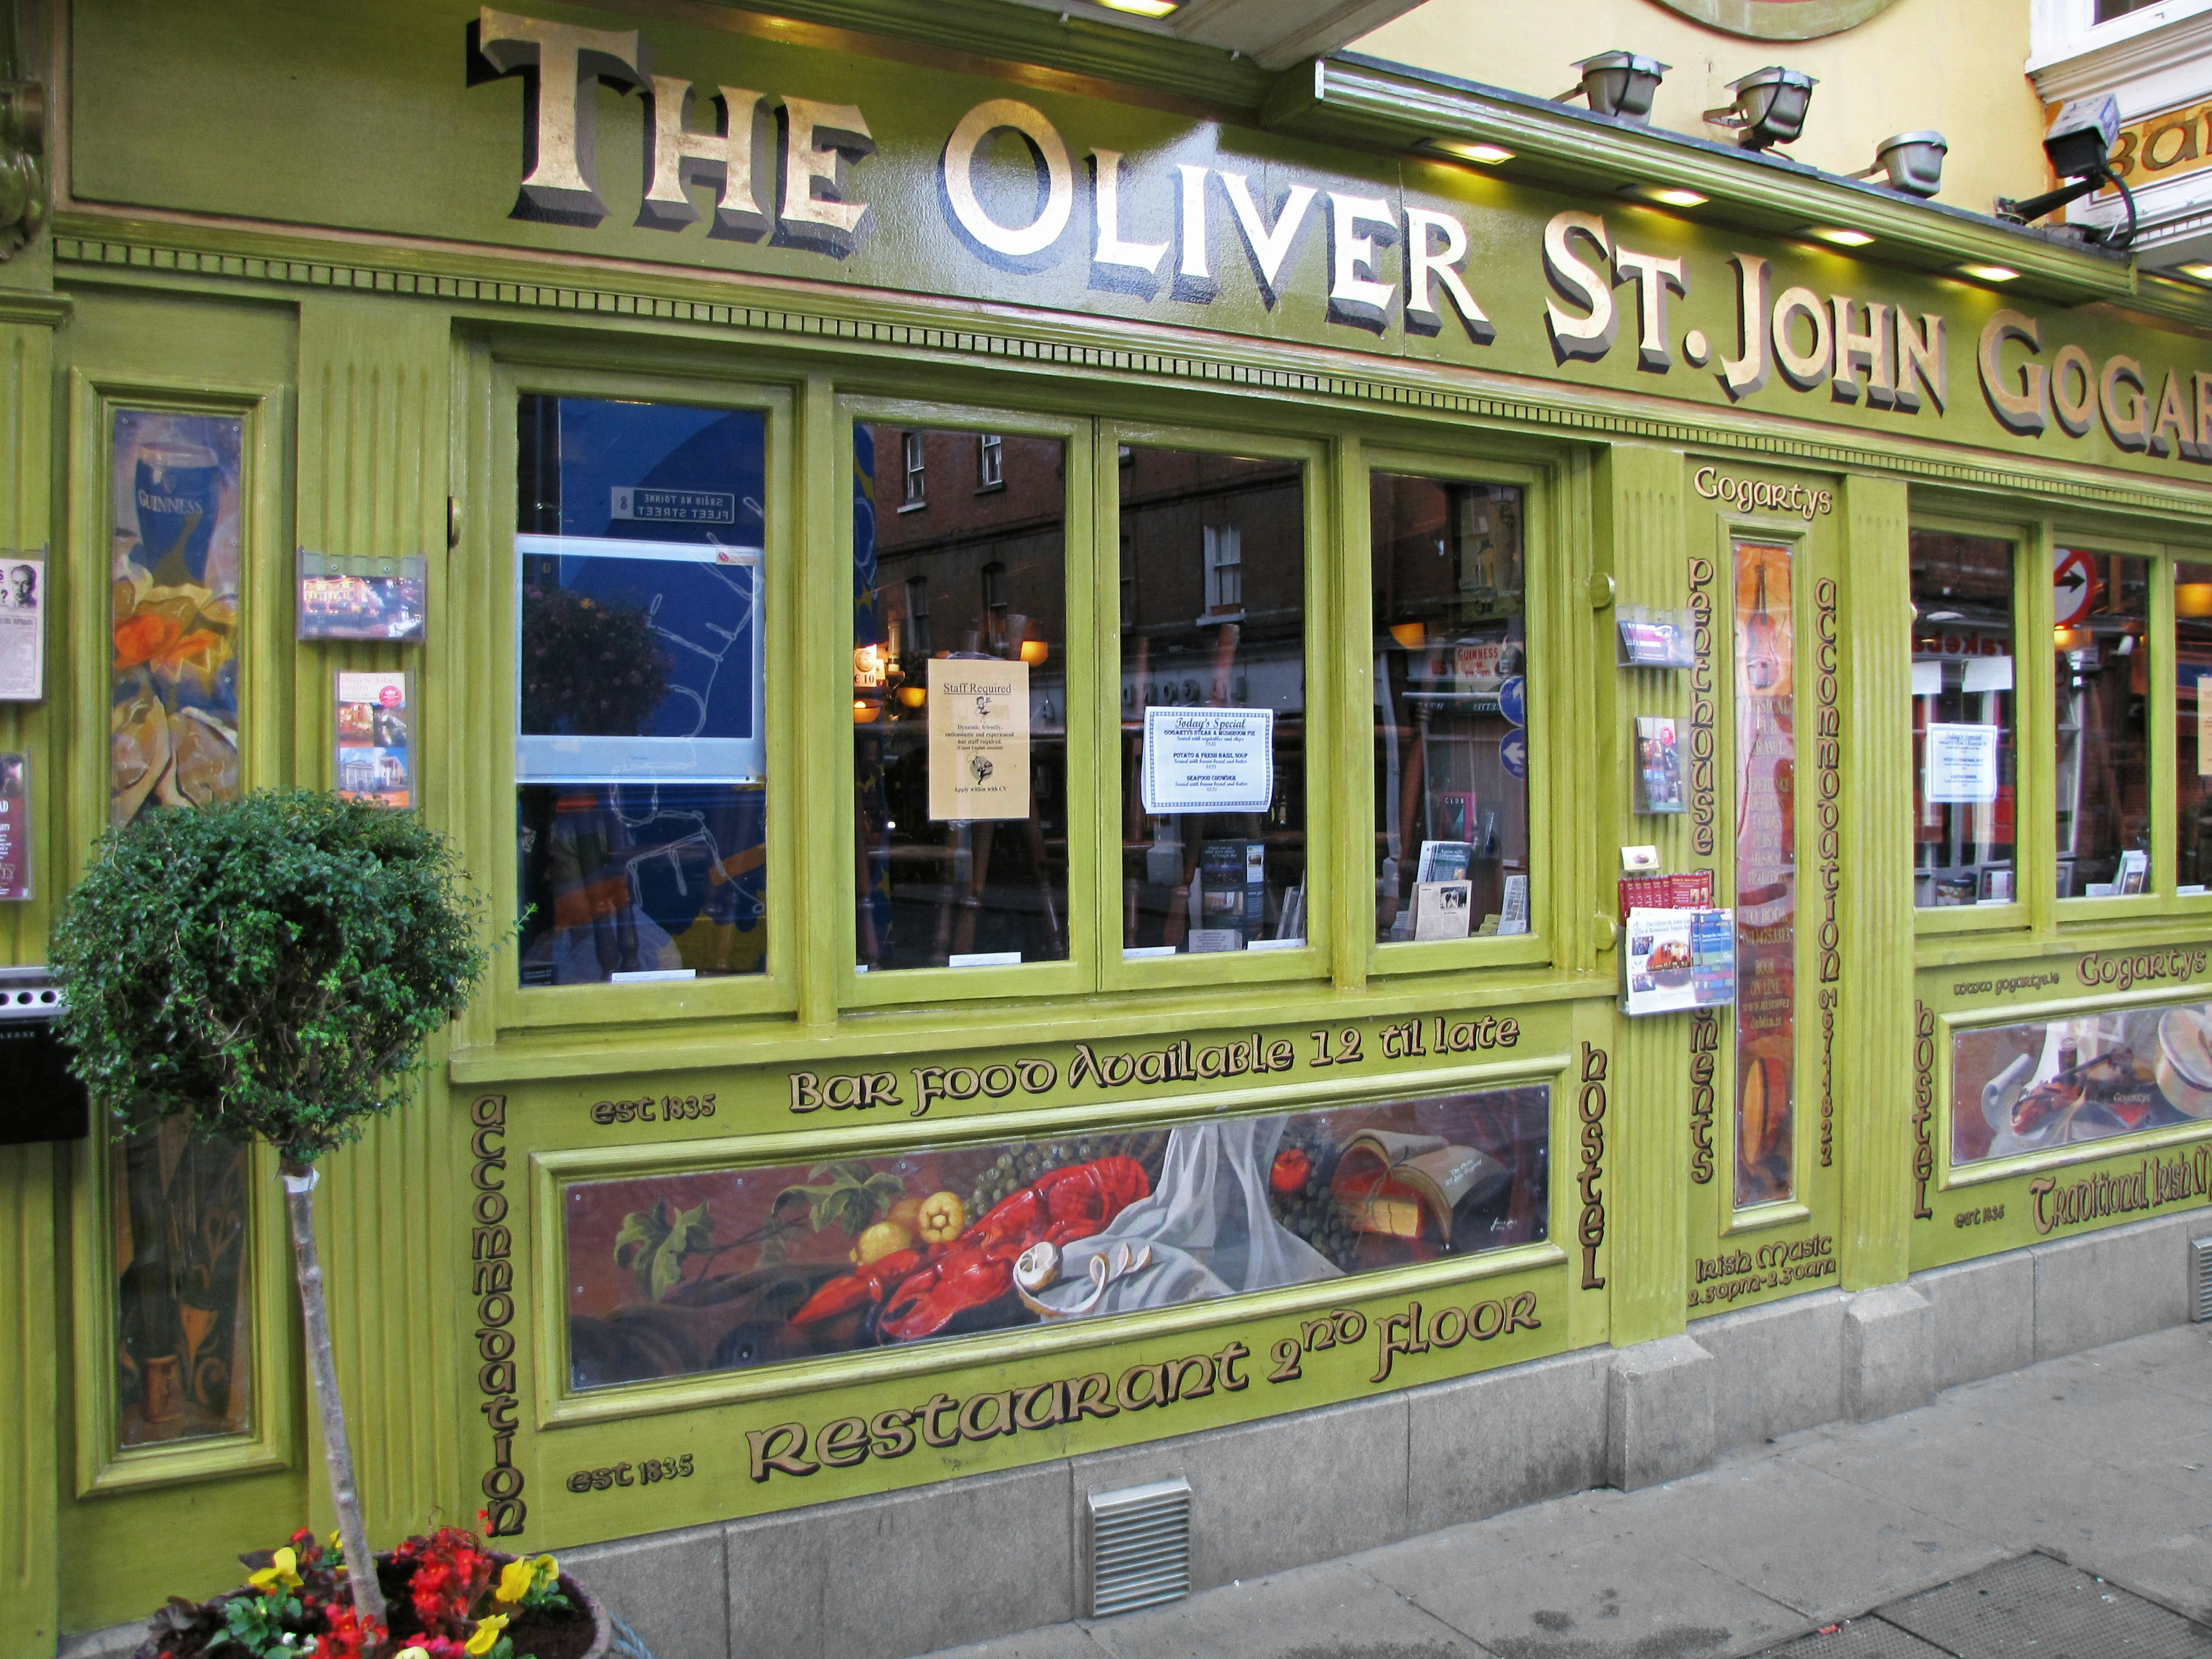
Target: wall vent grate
(2200, 1279)
(1139, 1547)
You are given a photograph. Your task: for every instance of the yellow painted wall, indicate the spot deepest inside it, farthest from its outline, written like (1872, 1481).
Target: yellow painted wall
(1954, 65)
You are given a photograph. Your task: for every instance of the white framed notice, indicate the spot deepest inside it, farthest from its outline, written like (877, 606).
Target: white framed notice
(1209, 760)
(22, 627)
(1962, 763)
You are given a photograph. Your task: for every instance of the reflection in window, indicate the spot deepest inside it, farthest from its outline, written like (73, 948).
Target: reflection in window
(990, 461)
(640, 753)
(1451, 750)
(182, 1220)
(2101, 655)
(731, 1269)
(917, 480)
(1963, 754)
(959, 738)
(1213, 704)
(1764, 640)
(2192, 724)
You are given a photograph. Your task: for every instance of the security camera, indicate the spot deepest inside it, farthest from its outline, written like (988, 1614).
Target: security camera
(2080, 147)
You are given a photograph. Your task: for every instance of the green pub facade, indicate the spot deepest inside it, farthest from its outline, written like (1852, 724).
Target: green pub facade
(1048, 654)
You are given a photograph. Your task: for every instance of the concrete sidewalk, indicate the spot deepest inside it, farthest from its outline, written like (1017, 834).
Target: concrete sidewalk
(2102, 1460)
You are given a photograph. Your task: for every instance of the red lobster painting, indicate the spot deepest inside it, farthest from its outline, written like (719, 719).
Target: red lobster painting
(922, 1291)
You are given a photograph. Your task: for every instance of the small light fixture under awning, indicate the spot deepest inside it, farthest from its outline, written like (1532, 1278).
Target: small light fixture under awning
(1672, 196)
(1143, 8)
(1839, 235)
(1469, 150)
(2200, 268)
(1984, 273)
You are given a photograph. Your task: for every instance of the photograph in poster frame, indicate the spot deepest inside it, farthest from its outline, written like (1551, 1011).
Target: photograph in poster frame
(733, 1269)
(2042, 1083)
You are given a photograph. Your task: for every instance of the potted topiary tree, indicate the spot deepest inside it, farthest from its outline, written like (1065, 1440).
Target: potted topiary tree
(269, 968)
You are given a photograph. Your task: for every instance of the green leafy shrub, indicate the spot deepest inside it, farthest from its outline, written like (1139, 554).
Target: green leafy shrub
(270, 966)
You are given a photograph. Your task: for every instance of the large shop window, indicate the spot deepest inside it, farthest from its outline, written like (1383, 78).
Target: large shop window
(640, 758)
(1964, 748)
(730, 1269)
(1213, 703)
(1451, 746)
(959, 699)
(2101, 659)
(2193, 726)
(2051, 1083)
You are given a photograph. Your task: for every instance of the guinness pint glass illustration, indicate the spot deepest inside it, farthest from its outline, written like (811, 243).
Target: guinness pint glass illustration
(177, 488)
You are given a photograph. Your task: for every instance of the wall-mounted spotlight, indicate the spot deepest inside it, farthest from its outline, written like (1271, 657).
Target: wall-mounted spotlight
(1620, 83)
(1769, 107)
(1912, 161)
(2080, 146)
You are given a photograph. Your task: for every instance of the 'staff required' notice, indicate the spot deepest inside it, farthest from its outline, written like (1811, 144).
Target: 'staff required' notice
(979, 739)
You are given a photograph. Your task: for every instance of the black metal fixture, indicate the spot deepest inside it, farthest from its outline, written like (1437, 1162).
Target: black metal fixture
(1769, 107)
(1620, 84)
(2080, 146)
(1911, 161)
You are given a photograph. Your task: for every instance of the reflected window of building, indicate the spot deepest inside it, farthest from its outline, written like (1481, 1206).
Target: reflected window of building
(959, 719)
(2192, 725)
(911, 451)
(1451, 751)
(639, 751)
(1964, 756)
(2101, 661)
(1213, 786)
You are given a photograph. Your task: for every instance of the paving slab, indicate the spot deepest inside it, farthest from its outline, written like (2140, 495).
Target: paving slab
(2174, 1571)
(1802, 1538)
(1859, 1638)
(1333, 1611)
(1580, 1579)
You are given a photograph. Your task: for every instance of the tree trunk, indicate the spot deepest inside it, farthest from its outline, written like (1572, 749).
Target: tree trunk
(329, 1410)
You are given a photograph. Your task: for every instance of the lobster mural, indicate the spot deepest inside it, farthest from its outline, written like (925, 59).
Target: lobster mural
(919, 1292)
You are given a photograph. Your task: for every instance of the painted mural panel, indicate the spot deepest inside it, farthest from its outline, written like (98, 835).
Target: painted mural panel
(2047, 1083)
(1766, 873)
(180, 1205)
(174, 719)
(727, 1270)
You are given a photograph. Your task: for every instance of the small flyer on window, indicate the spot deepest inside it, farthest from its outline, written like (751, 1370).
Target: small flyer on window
(979, 738)
(1962, 763)
(1442, 909)
(15, 827)
(375, 753)
(1658, 766)
(1209, 760)
(22, 628)
(343, 597)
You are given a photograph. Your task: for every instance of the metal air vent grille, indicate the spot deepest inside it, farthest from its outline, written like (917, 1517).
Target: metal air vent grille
(2200, 1279)
(1138, 1540)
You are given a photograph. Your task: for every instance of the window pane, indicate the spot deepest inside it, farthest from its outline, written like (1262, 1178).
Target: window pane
(1451, 753)
(2042, 1084)
(1213, 704)
(173, 565)
(945, 1240)
(181, 1220)
(640, 754)
(959, 700)
(1963, 754)
(2192, 740)
(2102, 659)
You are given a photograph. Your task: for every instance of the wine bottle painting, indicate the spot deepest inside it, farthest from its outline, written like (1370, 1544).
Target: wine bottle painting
(1765, 874)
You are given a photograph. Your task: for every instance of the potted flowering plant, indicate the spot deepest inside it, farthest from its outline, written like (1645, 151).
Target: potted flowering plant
(268, 968)
(449, 1597)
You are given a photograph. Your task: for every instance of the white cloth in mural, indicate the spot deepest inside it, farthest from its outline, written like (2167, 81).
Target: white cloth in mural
(1208, 1224)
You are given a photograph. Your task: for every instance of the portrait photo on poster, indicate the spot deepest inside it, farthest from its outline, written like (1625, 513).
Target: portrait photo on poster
(22, 627)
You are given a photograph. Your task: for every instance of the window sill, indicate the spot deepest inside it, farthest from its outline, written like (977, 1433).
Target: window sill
(912, 507)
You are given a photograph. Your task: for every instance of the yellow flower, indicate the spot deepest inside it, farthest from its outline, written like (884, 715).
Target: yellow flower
(547, 1572)
(486, 1635)
(282, 1573)
(514, 1581)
